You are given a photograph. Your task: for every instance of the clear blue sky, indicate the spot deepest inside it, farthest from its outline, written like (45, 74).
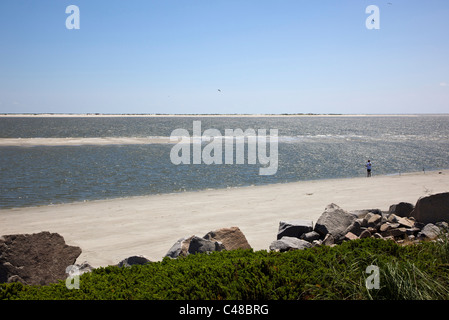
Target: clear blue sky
(266, 56)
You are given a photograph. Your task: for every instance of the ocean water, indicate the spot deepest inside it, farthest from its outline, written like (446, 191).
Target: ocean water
(308, 148)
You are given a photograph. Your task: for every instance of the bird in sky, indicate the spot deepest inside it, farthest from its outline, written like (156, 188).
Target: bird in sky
(219, 90)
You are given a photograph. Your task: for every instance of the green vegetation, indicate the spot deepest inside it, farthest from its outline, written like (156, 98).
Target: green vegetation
(419, 271)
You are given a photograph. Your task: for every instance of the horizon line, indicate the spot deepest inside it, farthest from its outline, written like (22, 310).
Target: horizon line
(210, 114)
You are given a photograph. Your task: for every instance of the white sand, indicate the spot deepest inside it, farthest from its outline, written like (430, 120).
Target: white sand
(111, 230)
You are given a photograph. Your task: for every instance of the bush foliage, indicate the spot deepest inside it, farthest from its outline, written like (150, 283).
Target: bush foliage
(419, 271)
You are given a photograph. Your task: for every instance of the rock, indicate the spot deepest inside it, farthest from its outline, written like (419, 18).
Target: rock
(412, 231)
(294, 228)
(443, 225)
(231, 238)
(35, 259)
(328, 240)
(201, 245)
(402, 209)
(355, 227)
(360, 214)
(134, 260)
(79, 269)
(397, 232)
(387, 226)
(408, 223)
(84, 267)
(419, 225)
(317, 243)
(432, 209)
(335, 221)
(180, 248)
(365, 234)
(374, 221)
(310, 236)
(350, 236)
(392, 218)
(288, 243)
(430, 231)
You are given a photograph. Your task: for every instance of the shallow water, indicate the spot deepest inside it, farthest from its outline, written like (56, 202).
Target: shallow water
(309, 148)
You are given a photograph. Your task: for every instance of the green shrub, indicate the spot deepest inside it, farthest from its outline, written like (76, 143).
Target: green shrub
(406, 272)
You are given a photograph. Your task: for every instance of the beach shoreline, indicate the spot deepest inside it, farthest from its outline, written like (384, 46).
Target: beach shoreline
(111, 230)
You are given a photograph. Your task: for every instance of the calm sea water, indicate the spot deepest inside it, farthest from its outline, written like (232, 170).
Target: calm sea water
(309, 148)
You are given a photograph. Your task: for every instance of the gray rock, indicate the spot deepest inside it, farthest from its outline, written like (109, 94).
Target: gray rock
(317, 243)
(329, 240)
(35, 259)
(201, 245)
(335, 221)
(360, 214)
(432, 209)
(180, 248)
(430, 231)
(84, 267)
(294, 228)
(402, 209)
(442, 225)
(310, 236)
(355, 227)
(134, 260)
(397, 232)
(288, 243)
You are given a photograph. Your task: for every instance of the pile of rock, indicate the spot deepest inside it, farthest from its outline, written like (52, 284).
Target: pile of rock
(404, 222)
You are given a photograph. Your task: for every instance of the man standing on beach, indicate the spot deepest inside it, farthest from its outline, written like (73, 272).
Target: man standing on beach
(368, 168)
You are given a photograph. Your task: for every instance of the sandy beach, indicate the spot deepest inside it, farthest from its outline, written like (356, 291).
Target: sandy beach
(110, 230)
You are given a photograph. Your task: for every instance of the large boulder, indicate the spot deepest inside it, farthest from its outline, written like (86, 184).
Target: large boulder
(231, 238)
(35, 259)
(432, 209)
(401, 209)
(334, 220)
(294, 228)
(289, 243)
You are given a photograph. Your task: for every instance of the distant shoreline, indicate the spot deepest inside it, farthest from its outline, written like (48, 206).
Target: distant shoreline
(158, 115)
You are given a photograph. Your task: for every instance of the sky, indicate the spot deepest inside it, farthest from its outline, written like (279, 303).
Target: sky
(224, 57)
